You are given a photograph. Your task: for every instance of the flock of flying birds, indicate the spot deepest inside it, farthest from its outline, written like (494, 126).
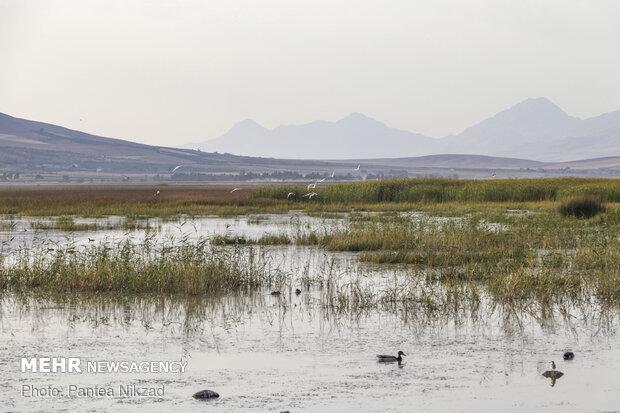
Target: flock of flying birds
(313, 185)
(308, 195)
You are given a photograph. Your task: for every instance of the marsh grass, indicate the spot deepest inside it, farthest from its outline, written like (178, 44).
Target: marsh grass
(266, 239)
(8, 225)
(435, 190)
(387, 195)
(185, 268)
(68, 224)
(540, 254)
(535, 252)
(582, 207)
(228, 239)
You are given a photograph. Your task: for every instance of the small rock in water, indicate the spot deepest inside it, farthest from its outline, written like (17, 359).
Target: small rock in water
(206, 394)
(569, 355)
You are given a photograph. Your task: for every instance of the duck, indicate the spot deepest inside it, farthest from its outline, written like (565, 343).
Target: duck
(276, 293)
(569, 355)
(381, 358)
(553, 374)
(297, 291)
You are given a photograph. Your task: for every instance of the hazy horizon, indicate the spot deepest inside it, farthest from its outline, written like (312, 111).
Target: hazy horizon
(169, 72)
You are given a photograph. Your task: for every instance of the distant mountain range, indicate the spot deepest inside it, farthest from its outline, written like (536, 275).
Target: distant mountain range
(32, 151)
(535, 129)
(356, 136)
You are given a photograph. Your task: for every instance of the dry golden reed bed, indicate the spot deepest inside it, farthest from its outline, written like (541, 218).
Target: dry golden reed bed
(403, 194)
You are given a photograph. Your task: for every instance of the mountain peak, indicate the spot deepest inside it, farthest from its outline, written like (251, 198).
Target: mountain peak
(537, 105)
(248, 126)
(359, 118)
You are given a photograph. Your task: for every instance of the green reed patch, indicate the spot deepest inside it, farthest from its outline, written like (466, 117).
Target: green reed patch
(64, 224)
(267, 239)
(435, 190)
(68, 224)
(185, 268)
(529, 254)
(582, 207)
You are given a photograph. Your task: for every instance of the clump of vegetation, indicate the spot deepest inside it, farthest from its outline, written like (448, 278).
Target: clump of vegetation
(186, 268)
(229, 240)
(267, 239)
(67, 224)
(582, 207)
(255, 220)
(8, 225)
(274, 239)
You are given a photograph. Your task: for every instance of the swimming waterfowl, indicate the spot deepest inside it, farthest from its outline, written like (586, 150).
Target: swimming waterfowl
(298, 291)
(390, 359)
(569, 355)
(553, 374)
(276, 293)
(206, 394)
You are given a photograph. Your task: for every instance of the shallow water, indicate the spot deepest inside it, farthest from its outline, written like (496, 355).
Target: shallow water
(289, 352)
(22, 235)
(262, 356)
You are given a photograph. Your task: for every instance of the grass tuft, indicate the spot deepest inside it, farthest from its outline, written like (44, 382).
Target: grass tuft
(582, 207)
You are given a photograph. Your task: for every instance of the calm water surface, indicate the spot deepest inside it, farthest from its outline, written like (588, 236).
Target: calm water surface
(268, 353)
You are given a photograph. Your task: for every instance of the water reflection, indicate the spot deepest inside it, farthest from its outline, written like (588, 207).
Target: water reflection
(315, 351)
(188, 315)
(284, 351)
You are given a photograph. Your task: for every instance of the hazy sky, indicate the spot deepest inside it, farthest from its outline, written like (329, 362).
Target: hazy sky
(170, 72)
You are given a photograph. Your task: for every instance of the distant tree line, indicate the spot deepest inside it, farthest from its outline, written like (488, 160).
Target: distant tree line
(283, 176)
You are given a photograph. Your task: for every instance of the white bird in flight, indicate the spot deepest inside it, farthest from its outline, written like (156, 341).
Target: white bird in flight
(358, 168)
(290, 194)
(176, 168)
(310, 195)
(234, 190)
(311, 186)
(333, 173)
(157, 193)
(322, 180)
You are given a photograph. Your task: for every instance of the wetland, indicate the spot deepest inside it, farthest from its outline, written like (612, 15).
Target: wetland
(481, 284)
